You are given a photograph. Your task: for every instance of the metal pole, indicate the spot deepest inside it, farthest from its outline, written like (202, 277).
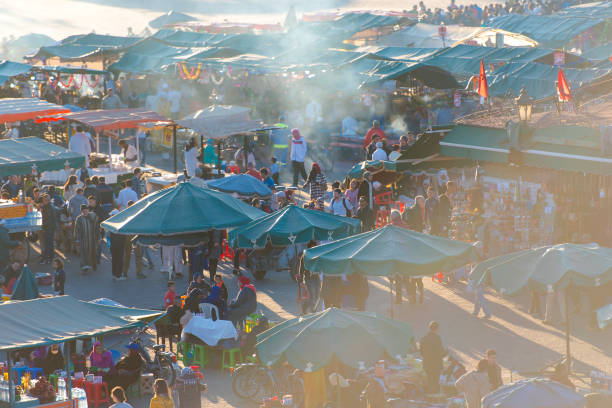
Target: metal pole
(568, 356)
(202, 146)
(110, 153)
(174, 147)
(10, 378)
(391, 297)
(67, 367)
(219, 157)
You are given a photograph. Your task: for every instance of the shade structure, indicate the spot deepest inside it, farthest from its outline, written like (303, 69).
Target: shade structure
(242, 184)
(15, 109)
(182, 240)
(293, 225)
(181, 209)
(534, 393)
(357, 339)
(604, 316)
(389, 251)
(31, 155)
(45, 321)
(26, 286)
(548, 267)
(111, 119)
(220, 121)
(9, 69)
(171, 17)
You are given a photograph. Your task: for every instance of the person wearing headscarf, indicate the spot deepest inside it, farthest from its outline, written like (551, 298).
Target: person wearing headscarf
(192, 303)
(100, 359)
(210, 157)
(53, 361)
(317, 181)
(245, 302)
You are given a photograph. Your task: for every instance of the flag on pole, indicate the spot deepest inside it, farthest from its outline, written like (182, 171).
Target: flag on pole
(483, 88)
(563, 89)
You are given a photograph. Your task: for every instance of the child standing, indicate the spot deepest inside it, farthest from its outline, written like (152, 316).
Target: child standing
(170, 295)
(59, 277)
(274, 170)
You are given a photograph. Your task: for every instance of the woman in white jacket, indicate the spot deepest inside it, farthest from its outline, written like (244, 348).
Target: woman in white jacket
(191, 157)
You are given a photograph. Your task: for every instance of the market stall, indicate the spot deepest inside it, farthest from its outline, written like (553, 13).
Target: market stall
(55, 320)
(30, 156)
(113, 123)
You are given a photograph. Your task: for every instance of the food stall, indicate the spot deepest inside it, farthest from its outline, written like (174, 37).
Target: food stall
(112, 124)
(30, 156)
(55, 323)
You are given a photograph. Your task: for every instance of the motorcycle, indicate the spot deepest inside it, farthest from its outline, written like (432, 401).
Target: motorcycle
(163, 365)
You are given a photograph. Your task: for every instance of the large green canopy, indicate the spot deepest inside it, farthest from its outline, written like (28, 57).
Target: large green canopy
(292, 225)
(389, 251)
(41, 322)
(180, 209)
(357, 339)
(26, 286)
(242, 184)
(22, 156)
(548, 267)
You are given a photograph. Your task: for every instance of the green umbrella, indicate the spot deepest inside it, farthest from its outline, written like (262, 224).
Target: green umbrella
(552, 267)
(292, 225)
(357, 339)
(26, 287)
(548, 267)
(389, 251)
(180, 209)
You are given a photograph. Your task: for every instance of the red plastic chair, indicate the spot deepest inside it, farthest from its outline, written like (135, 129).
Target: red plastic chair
(97, 393)
(383, 198)
(382, 218)
(439, 276)
(232, 169)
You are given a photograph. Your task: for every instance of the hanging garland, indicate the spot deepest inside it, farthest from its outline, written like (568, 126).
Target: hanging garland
(89, 83)
(77, 87)
(215, 80)
(190, 74)
(53, 83)
(70, 79)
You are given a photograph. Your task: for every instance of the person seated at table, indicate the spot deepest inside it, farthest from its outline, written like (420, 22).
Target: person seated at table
(100, 360)
(199, 283)
(245, 302)
(129, 153)
(10, 274)
(218, 295)
(192, 303)
(54, 360)
(128, 368)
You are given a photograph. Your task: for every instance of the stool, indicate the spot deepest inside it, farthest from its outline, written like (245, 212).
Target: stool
(185, 353)
(94, 393)
(35, 372)
(146, 384)
(231, 356)
(53, 380)
(200, 355)
(18, 373)
(134, 390)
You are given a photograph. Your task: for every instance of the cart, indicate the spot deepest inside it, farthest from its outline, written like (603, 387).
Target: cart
(260, 261)
(22, 221)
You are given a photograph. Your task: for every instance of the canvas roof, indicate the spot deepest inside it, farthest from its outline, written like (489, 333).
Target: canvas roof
(16, 109)
(110, 119)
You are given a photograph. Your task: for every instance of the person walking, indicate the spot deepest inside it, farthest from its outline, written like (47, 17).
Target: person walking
(433, 353)
(74, 204)
(317, 181)
(87, 238)
(431, 212)
(365, 215)
(445, 207)
(192, 152)
(161, 398)
(125, 195)
(105, 195)
(139, 252)
(414, 216)
(474, 385)
(137, 183)
(366, 189)
(79, 143)
(493, 370)
(117, 248)
(49, 225)
(70, 188)
(339, 205)
(297, 155)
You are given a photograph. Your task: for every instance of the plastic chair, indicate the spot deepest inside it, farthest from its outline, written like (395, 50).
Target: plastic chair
(207, 310)
(383, 198)
(133, 390)
(97, 393)
(35, 372)
(231, 357)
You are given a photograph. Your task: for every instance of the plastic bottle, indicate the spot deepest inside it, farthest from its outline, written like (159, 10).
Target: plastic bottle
(61, 389)
(80, 395)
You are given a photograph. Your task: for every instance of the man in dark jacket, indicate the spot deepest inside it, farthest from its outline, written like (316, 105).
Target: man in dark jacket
(49, 225)
(365, 215)
(414, 217)
(433, 353)
(105, 195)
(366, 189)
(6, 244)
(445, 207)
(495, 379)
(245, 303)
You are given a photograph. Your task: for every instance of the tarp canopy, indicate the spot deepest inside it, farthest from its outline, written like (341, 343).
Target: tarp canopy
(554, 266)
(487, 36)
(389, 251)
(110, 119)
(26, 287)
(219, 121)
(182, 209)
(241, 184)
(293, 225)
(559, 148)
(22, 156)
(171, 17)
(16, 109)
(42, 322)
(81, 46)
(69, 70)
(426, 35)
(601, 9)
(10, 69)
(600, 53)
(314, 341)
(553, 31)
(534, 392)
(385, 172)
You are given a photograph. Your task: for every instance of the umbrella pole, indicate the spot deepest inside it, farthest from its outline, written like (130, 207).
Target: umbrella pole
(67, 367)
(174, 147)
(567, 334)
(391, 297)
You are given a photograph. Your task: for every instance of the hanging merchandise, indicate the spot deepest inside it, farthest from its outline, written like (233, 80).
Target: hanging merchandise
(190, 74)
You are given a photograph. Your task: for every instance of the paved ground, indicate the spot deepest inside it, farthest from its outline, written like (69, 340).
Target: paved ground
(522, 342)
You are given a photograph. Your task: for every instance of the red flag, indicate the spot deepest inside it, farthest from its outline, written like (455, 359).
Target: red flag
(563, 89)
(483, 88)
